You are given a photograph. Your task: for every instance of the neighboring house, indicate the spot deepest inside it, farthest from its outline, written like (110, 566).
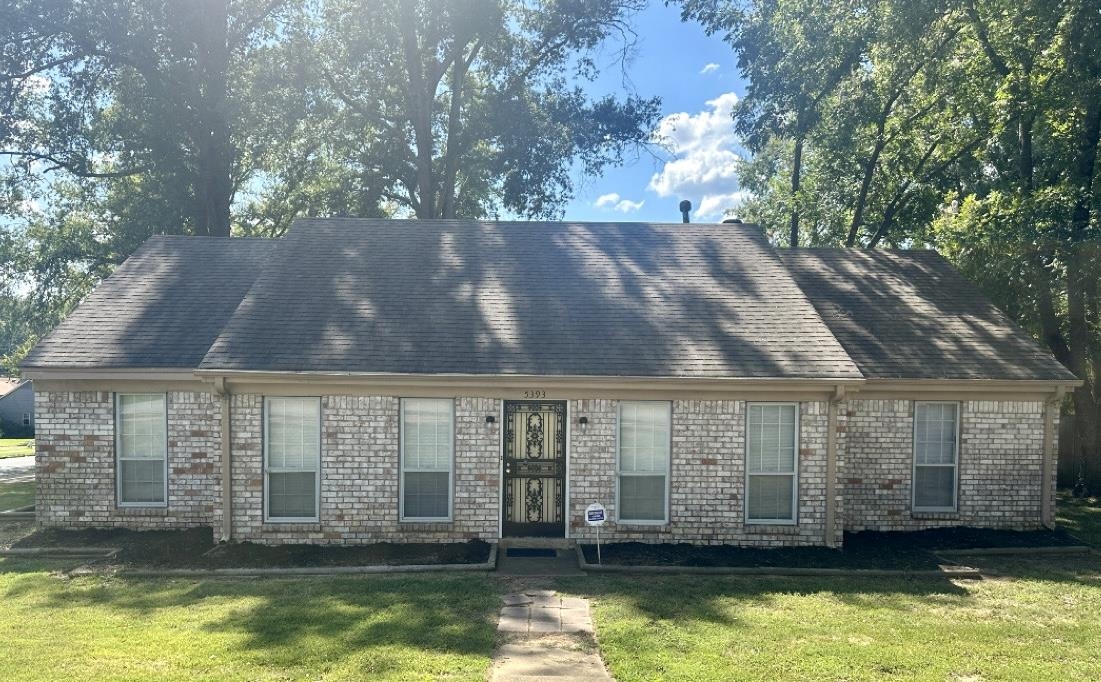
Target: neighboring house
(16, 408)
(366, 380)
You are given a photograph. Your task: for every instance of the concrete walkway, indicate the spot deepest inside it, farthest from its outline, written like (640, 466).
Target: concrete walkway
(17, 469)
(563, 563)
(546, 636)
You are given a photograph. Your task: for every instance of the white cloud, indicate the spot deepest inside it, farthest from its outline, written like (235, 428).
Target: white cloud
(606, 200)
(710, 67)
(705, 149)
(615, 202)
(628, 206)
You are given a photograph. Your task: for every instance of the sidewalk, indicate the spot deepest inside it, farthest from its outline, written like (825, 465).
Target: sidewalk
(15, 469)
(543, 635)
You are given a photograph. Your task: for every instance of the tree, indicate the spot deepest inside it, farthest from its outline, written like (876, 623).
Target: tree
(970, 125)
(1034, 216)
(147, 94)
(461, 108)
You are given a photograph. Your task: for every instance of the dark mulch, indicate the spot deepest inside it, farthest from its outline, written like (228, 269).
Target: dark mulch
(248, 555)
(867, 550)
(941, 539)
(195, 548)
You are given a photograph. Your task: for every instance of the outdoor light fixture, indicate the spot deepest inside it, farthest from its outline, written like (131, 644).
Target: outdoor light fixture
(584, 422)
(490, 419)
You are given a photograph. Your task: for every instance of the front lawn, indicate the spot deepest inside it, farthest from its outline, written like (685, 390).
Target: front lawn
(16, 447)
(1041, 624)
(1081, 517)
(16, 495)
(382, 627)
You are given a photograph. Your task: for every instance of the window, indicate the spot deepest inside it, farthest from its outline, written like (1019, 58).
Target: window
(426, 454)
(935, 456)
(26, 419)
(141, 444)
(643, 461)
(771, 476)
(292, 458)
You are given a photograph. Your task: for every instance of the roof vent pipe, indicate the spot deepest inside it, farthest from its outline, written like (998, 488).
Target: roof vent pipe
(685, 208)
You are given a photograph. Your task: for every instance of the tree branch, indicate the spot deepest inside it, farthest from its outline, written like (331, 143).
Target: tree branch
(72, 166)
(249, 26)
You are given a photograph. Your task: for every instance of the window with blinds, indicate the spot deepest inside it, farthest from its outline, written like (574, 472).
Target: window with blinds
(935, 456)
(427, 445)
(141, 444)
(771, 463)
(644, 442)
(292, 458)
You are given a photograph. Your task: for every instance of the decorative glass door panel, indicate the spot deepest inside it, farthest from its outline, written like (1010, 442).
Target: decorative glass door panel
(535, 469)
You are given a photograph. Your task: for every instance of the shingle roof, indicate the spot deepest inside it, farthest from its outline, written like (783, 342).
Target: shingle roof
(573, 299)
(564, 299)
(910, 314)
(161, 309)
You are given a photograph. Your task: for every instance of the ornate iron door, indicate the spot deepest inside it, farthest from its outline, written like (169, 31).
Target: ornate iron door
(535, 469)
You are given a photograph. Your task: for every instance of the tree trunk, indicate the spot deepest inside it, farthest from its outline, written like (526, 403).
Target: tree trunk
(1082, 298)
(459, 67)
(214, 151)
(419, 100)
(796, 172)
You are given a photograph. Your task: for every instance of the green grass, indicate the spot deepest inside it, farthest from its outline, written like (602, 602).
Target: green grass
(1081, 517)
(1042, 625)
(16, 495)
(16, 447)
(98, 627)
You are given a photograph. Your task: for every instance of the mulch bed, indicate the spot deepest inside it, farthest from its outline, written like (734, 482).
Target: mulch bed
(195, 548)
(868, 550)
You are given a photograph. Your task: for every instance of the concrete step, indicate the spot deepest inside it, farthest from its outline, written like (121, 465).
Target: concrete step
(548, 543)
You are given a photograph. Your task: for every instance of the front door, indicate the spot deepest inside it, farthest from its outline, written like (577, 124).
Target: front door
(535, 469)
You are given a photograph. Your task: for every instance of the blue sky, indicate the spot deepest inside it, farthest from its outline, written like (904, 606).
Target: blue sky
(697, 79)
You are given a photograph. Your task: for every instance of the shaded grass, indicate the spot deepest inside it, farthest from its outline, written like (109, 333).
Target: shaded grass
(1041, 623)
(16, 495)
(382, 627)
(16, 447)
(1081, 517)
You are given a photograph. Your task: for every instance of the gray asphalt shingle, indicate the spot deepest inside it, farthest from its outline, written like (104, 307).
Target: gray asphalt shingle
(910, 314)
(586, 299)
(559, 299)
(161, 309)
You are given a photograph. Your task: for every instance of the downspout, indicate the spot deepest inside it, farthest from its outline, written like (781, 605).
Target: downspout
(1048, 465)
(829, 532)
(227, 470)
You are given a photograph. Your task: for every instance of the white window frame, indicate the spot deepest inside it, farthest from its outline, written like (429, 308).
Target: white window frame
(402, 469)
(955, 461)
(619, 473)
(794, 520)
(118, 453)
(268, 470)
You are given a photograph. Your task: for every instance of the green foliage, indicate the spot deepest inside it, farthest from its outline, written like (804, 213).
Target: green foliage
(454, 109)
(120, 119)
(969, 125)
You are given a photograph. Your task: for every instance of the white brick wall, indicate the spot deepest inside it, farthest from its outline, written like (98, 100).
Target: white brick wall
(1000, 470)
(360, 468)
(707, 491)
(1000, 460)
(75, 462)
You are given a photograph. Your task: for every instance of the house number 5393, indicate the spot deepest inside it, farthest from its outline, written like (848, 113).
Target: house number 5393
(535, 394)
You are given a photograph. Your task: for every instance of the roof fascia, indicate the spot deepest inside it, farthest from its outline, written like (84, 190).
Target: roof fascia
(525, 386)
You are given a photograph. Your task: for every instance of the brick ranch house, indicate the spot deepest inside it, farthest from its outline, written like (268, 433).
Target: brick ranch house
(369, 380)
